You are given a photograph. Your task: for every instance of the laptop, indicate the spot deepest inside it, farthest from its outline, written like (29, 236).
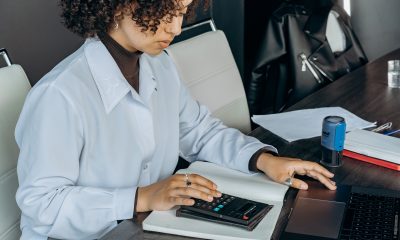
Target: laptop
(348, 213)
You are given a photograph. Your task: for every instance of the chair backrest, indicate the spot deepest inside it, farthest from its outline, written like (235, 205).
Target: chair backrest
(207, 67)
(14, 86)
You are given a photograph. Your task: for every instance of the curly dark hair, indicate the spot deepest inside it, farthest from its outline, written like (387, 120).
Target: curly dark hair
(89, 17)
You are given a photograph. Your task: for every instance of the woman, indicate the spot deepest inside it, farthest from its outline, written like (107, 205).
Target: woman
(100, 134)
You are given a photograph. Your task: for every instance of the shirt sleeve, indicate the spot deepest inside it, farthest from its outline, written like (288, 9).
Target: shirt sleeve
(50, 137)
(203, 137)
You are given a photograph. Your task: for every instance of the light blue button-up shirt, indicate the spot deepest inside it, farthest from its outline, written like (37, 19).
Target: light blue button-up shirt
(87, 140)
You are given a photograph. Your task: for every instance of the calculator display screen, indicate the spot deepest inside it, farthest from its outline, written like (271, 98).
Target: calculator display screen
(245, 207)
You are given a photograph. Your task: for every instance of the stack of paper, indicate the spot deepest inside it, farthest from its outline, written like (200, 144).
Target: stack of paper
(374, 148)
(307, 123)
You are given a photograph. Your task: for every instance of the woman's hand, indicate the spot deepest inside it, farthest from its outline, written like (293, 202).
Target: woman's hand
(175, 190)
(280, 169)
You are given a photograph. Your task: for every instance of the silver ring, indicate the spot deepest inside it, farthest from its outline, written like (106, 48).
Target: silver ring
(289, 180)
(188, 183)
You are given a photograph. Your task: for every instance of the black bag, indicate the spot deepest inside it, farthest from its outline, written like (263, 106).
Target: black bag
(295, 58)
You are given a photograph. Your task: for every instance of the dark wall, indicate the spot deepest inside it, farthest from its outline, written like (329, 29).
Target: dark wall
(257, 14)
(229, 17)
(35, 38)
(377, 25)
(32, 33)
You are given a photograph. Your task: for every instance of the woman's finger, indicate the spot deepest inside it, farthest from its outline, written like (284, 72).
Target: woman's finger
(189, 192)
(214, 193)
(181, 201)
(299, 184)
(300, 171)
(324, 180)
(183, 180)
(313, 166)
(315, 171)
(200, 180)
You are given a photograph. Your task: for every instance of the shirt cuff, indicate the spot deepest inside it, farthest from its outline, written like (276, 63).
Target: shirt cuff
(244, 155)
(256, 155)
(124, 203)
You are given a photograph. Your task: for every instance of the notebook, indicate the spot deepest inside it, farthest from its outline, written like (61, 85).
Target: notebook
(350, 212)
(373, 148)
(255, 187)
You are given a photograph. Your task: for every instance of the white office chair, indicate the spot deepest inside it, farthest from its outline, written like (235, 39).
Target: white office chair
(206, 65)
(14, 86)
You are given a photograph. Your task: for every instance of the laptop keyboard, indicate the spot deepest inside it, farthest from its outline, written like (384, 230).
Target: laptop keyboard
(371, 217)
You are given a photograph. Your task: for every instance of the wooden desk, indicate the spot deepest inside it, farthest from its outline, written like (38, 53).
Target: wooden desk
(363, 92)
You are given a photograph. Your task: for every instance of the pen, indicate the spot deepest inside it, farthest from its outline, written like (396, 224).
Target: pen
(392, 132)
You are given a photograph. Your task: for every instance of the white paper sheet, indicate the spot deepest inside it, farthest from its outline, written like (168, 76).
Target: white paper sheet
(307, 123)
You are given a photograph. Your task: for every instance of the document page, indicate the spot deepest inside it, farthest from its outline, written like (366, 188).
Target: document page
(301, 124)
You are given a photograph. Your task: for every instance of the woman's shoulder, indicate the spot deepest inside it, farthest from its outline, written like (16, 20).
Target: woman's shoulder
(65, 70)
(69, 75)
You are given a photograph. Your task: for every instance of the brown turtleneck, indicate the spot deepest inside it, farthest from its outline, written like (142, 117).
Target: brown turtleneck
(128, 62)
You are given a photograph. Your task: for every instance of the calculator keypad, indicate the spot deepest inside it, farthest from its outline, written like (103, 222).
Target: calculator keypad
(216, 205)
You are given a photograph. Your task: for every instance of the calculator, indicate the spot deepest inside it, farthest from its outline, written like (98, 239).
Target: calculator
(227, 209)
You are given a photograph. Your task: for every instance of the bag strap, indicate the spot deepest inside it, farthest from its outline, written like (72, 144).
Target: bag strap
(4, 54)
(316, 23)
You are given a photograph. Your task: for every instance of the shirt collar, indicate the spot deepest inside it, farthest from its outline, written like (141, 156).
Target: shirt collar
(110, 82)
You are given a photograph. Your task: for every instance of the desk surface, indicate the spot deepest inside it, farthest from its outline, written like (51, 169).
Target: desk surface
(363, 92)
